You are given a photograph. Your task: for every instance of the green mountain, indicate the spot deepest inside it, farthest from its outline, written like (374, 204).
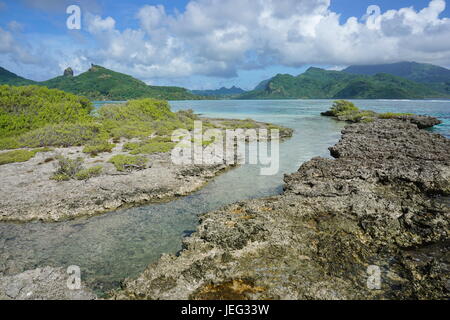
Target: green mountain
(317, 83)
(7, 77)
(433, 76)
(222, 92)
(99, 83)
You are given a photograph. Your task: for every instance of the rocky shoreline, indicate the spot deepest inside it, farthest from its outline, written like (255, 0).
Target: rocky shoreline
(377, 214)
(28, 193)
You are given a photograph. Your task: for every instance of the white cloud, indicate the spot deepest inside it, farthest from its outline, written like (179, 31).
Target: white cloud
(11, 49)
(221, 37)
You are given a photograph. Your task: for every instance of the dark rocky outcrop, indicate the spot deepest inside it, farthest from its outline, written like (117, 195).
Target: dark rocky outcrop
(382, 203)
(423, 122)
(68, 72)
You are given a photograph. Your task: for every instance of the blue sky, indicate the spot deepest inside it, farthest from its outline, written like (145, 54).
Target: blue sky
(203, 44)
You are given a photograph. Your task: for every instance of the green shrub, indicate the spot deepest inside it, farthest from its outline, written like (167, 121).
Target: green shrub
(128, 163)
(67, 168)
(19, 155)
(31, 107)
(150, 146)
(142, 118)
(95, 148)
(58, 135)
(343, 107)
(137, 110)
(86, 174)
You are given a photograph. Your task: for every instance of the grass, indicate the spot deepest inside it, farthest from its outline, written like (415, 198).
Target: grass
(393, 115)
(20, 155)
(86, 174)
(128, 163)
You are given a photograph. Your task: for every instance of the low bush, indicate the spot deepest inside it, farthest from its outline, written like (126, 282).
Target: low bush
(128, 163)
(57, 135)
(342, 107)
(67, 168)
(30, 107)
(96, 147)
(150, 146)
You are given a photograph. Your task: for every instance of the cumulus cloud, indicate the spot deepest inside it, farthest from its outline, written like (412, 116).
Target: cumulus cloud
(220, 37)
(14, 51)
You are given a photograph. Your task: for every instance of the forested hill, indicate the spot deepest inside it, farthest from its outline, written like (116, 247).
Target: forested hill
(99, 83)
(318, 83)
(433, 76)
(7, 77)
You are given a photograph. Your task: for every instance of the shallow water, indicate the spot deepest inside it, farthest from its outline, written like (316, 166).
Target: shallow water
(121, 244)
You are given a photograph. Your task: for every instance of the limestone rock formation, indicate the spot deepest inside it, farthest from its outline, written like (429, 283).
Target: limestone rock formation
(382, 205)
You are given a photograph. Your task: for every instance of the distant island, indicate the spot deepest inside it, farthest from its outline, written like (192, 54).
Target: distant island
(403, 80)
(406, 80)
(221, 93)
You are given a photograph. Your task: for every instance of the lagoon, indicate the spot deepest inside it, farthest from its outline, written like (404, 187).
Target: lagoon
(121, 244)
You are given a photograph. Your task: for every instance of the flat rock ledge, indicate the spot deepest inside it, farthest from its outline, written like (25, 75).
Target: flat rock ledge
(27, 193)
(41, 284)
(371, 224)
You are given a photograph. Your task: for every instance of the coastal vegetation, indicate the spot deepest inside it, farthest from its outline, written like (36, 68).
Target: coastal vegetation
(26, 108)
(32, 117)
(347, 111)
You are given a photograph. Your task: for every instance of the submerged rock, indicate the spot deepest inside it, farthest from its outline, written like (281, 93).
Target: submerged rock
(370, 224)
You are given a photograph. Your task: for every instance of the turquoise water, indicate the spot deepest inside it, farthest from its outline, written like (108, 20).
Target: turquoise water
(121, 244)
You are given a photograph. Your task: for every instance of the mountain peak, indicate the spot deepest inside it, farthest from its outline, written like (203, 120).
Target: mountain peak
(315, 69)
